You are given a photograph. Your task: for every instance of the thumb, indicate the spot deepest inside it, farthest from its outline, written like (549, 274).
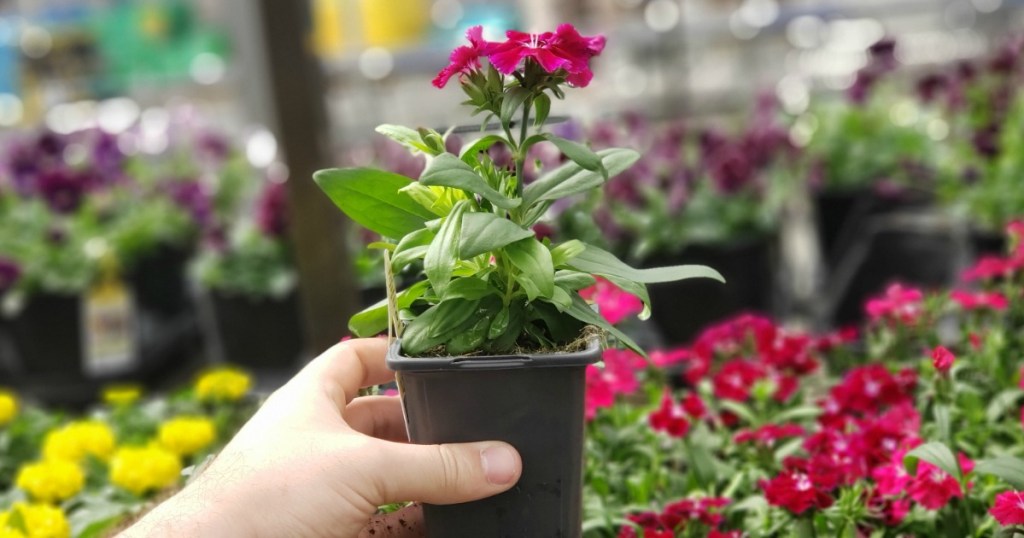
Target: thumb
(447, 473)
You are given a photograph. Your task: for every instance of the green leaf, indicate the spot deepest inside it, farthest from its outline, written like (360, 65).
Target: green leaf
(562, 299)
(935, 453)
(579, 154)
(447, 170)
(573, 280)
(942, 420)
(373, 320)
(596, 261)
(739, 410)
(536, 273)
(473, 337)
(412, 247)
(582, 311)
(541, 108)
(634, 288)
(443, 251)
(498, 324)
(433, 140)
(371, 198)
(1006, 468)
(423, 196)
(452, 313)
(571, 178)
(514, 98)
(561, 254)
(416, 337)
(405, 136)
(1001, 403)
(792, 414)
(469, 152)
(486, 232)
(468, 288)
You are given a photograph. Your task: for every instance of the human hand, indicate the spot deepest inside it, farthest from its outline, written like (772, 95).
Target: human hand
(316, 461)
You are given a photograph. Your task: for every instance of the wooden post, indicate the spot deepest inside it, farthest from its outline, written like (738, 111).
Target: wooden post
(299, 119)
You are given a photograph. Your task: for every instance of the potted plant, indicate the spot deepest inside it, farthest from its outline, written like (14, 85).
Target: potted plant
(869, 155)
(699, 195)
(251, 288)
(982, 103)
(494, 342)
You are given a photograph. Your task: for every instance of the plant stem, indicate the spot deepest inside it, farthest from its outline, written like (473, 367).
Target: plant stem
(521, 150)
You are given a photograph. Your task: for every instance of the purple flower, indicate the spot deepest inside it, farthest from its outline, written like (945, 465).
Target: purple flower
(23, 166)
(986, 141)
(10, 272)
(731, 170)
(213, 146)
(1005, 59)
(51, 144)
(62, 189)
(272, 210)
(929, 86)
(107, 158)
(883, 53)
(453, 144)
(192, 197)
(859, 91)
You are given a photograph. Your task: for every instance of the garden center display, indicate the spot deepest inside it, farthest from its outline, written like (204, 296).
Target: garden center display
(493, 344)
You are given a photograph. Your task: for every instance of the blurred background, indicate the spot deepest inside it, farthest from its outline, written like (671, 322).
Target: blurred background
(157, 213)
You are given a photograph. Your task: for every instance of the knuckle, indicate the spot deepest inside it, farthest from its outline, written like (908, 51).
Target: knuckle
(451, 467)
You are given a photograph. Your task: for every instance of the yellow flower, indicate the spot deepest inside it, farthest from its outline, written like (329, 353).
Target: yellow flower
(79, 439)
(121, 395)
(51, 481)
(8, 406)
(36, 521)
(143, 469)
(187, 435)
(223, 384)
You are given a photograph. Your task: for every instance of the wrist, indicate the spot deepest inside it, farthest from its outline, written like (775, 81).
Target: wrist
(186, 514)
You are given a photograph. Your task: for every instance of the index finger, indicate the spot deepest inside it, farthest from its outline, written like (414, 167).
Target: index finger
(349, 366)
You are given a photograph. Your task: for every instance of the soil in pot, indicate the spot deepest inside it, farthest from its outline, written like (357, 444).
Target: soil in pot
(682, 309)
(260, 333)
(533, 402)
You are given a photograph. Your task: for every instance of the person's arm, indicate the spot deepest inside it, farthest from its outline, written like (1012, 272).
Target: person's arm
(316, 461)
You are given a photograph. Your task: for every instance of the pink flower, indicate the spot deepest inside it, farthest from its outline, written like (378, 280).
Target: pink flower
(899, 304)
(694, 406)
(735, 379)
(465, 58)
(1008, 508)
(599, 392)
(974, 301)
(617, 377)
(715, 533)
(795, 492)
(665, 358)
(613, 303)
(942, 359)
(563, 49)
(669, 418)
(933, 488)
(990, 267)
(892, 478)
(769, 433)
(975, 341)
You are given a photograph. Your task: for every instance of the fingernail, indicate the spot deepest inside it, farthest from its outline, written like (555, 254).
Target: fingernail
(500, 464)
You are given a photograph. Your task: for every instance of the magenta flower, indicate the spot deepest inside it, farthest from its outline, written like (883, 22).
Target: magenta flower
(979, 300)
(669, 418)
(942, 359)
(564, 49)
(795, 492)
(272, 210)
(613, 303)
(1008, 508)
(465, 58)
(933, 488)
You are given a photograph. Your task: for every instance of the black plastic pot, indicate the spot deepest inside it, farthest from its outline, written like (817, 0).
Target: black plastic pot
(158, 281)
(842, 215)
(533, 402)
(682, 309)
(923, 258)
(47, 335)
(258, 332)
(987, 243)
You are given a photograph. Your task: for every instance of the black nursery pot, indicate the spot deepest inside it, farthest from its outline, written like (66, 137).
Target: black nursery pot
(158, 281)
(258, 332)
(533, 402)
(682, 309)
(47, 335)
